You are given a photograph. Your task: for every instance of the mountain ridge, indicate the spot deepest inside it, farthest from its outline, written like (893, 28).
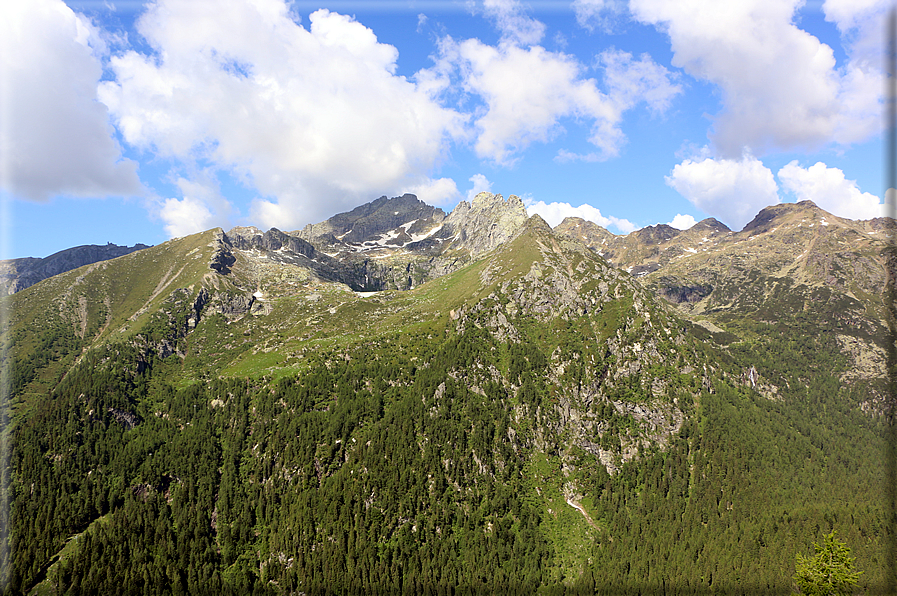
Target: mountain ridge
(255, 411)
(18, 274)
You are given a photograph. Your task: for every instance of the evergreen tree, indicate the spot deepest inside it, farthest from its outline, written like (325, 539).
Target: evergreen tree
(827, 573)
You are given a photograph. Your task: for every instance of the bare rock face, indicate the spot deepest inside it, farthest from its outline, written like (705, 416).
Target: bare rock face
(371, 220)
(272, 240)
(485, 223)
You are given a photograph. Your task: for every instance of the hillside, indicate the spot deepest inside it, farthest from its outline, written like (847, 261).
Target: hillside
(18, 274)
(276, 412)
(792, 261)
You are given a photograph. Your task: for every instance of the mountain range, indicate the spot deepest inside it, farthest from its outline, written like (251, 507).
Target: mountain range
(18, 274)
(403, 400)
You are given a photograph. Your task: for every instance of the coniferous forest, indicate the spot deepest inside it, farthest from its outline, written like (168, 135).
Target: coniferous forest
(381, 470)
(534, 423)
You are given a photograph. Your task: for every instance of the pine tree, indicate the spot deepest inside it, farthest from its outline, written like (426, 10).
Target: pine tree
(827, 573)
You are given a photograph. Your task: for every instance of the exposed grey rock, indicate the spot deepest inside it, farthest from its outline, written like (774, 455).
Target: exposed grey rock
(223, 257)
(260, 309)
(374, 219)
(373, 247)
(273, 239)
(202, 298)
(233, 305)
(485, 223)
(127, 419)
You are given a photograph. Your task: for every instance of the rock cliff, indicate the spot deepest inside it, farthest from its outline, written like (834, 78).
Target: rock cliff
(486, 222)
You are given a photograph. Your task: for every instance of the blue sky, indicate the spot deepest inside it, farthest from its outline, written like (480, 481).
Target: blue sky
(134, 121)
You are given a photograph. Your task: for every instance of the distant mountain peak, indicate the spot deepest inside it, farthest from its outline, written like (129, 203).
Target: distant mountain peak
(376, 218)
(711, 223)
(535, 222)
(657, 233)
(18, 274)
(775, 215)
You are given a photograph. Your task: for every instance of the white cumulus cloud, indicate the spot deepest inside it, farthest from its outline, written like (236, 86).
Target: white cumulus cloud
(630, 81)
(55, 137)
(830, 190)
(601, 14)
(733, 191)
(890, 201)
(186, 216)
(201, 208)
(554, 213)
(781, 87)
(435, 192)
(513, 23)
(526, 93)
(682, 222)
(861, 23)
(480, 184)
(315, 119)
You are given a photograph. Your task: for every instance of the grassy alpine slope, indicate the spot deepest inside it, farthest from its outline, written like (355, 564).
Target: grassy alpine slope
(533, 422)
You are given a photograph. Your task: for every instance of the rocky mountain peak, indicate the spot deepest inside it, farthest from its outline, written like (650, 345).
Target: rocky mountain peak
(371, 220)
(776, 215)
(711, 224)
(535, 222)
(486, 222)
(657, 234)
(587, 232)
(245, 231)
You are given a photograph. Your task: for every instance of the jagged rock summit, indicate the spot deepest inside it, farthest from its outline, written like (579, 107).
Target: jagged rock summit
(395, 243)
(391, 222)
(486, 222)
(385, 226)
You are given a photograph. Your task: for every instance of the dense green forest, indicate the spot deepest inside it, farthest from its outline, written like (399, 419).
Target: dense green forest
(435, 461)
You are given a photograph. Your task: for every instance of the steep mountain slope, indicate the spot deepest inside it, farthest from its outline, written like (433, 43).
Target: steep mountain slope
(792, 261)
(18, 274)
(225, 412)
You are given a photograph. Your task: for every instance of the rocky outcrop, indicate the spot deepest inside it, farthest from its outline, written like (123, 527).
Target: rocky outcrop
(233, 305)
(272, 240)
(193, 317)
(222, 257)
(483, 224)
(127, 420)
